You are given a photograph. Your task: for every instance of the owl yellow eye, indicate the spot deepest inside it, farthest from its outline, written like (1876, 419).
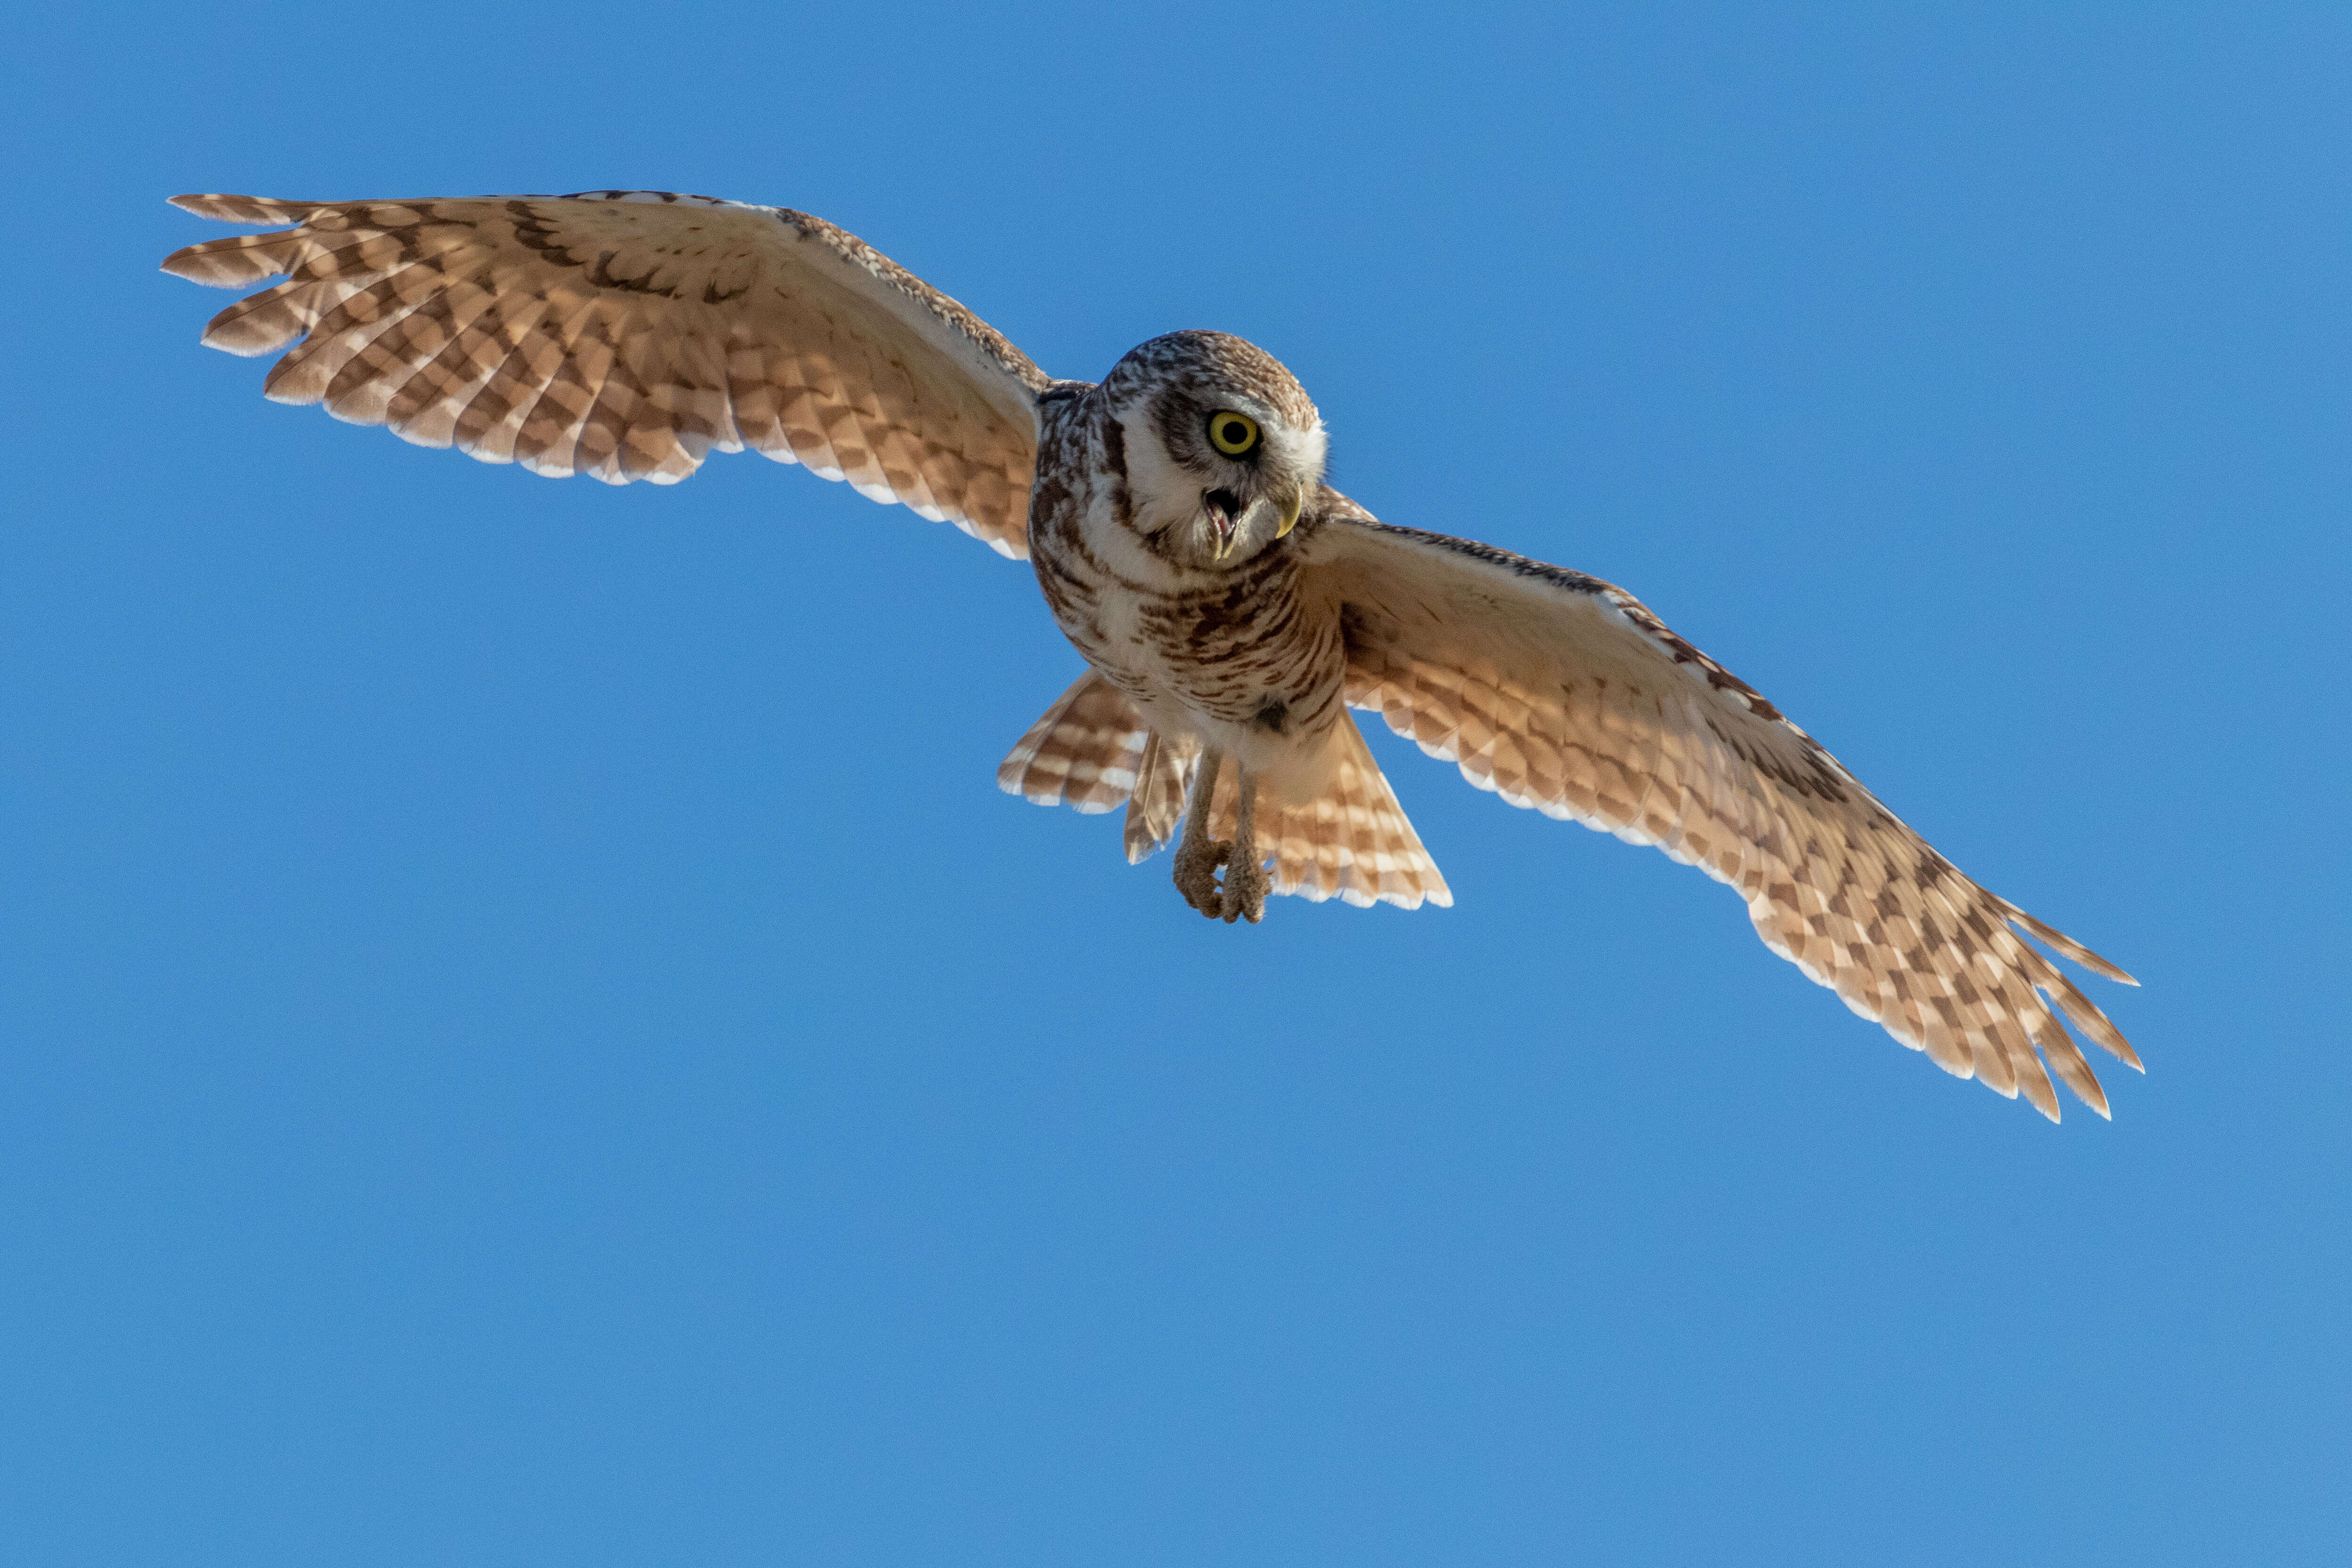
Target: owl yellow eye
(1232, 434)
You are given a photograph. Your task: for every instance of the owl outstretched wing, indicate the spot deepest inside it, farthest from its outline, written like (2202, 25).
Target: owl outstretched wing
(625, 334)
(1561, 693)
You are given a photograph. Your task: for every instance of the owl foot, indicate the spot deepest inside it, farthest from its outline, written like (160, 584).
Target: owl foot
(1199, 856)
(1197, 860)
(1246, 885)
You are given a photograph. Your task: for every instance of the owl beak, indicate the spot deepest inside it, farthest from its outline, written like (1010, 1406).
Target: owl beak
(1225, 510)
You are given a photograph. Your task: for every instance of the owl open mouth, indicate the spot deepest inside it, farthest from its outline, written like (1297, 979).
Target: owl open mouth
(1224, 508)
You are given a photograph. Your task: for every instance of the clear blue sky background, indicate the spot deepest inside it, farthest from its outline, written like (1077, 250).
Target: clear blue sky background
(531, 1036)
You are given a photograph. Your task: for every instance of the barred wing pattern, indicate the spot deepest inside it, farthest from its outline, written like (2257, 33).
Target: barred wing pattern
(1085, 752)
(625, 334)
(1561, 693)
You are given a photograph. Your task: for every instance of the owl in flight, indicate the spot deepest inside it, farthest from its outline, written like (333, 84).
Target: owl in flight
(1231, 606)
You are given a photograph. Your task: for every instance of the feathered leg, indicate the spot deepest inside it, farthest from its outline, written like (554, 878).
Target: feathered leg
(1198, 855)
(1247, 884)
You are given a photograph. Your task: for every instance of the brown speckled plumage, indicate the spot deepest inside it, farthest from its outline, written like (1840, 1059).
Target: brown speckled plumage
(627, 334)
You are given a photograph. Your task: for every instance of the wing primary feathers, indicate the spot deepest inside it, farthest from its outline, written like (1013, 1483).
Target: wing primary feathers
(2068, 946)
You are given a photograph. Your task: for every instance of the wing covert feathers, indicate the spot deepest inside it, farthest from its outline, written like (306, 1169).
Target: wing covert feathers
(1564, 694)
(1092, 751)
(628, 334)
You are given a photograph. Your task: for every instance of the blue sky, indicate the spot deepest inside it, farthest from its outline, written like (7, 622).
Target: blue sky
(531, 1036)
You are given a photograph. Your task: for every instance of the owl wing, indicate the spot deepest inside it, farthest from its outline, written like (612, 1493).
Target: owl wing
(1562, 693)
(628, 333)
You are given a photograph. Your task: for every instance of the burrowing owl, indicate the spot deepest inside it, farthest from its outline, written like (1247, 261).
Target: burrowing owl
(1230, 604)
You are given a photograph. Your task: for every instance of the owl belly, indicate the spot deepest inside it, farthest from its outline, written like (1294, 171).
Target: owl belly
(1241, 664)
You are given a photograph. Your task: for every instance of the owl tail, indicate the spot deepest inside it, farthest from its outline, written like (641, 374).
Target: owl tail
(1092, 751)
(1352, 842)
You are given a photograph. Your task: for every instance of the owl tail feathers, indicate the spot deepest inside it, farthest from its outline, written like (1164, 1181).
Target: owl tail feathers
(1352, 842)
(1092, 751)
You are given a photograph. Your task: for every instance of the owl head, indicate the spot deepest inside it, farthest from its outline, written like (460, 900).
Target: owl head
(1223, 446)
